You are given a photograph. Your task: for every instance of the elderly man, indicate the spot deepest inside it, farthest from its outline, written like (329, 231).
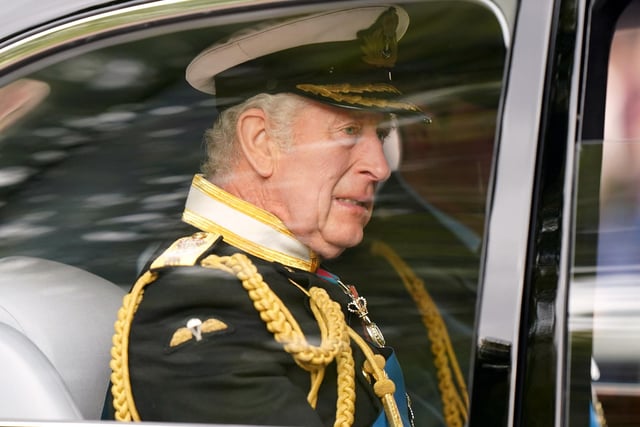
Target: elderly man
(236, 323)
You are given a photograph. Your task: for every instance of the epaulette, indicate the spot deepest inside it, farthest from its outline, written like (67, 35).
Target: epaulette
(186, 251)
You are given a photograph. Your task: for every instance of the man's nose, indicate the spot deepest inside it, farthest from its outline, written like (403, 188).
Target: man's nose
(373, 161)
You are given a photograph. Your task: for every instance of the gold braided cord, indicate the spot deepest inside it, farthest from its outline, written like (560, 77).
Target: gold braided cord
(325, 308)
(123, 403)
(317, 376)
(335, 343)
(281, 323)
(455, 400)
(384, 386)
(597, 405)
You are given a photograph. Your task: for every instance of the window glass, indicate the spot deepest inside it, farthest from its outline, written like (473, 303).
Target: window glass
(99, 152)
(604, 296)
(429, 222)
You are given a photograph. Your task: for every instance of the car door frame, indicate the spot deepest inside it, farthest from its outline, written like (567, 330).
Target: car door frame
(524, 360)
(521, 317)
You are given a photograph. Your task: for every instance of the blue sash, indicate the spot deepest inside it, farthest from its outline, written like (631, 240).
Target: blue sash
(394, 371)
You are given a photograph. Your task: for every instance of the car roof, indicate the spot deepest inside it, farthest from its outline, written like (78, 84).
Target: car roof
(18, 16)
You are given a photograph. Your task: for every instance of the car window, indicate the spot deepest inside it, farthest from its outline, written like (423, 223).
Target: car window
(603, 306)
(99, 145)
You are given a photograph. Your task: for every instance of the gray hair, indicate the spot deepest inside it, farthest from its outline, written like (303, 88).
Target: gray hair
(220, 140)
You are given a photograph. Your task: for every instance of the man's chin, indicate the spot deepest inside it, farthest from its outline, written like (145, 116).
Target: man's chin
(337, 250)
(329, 245)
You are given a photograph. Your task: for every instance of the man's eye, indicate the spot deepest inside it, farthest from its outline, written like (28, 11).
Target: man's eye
(351, 130)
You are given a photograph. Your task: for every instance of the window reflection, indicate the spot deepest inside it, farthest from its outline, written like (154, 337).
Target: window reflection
(420, 259)
(604, 304)
(17, 99)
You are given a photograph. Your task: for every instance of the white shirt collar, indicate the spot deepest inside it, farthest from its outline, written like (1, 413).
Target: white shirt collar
(245, 226)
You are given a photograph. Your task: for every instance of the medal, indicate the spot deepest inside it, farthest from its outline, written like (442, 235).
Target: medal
(358, 305)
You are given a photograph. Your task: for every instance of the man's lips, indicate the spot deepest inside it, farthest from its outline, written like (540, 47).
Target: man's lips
(365, 204)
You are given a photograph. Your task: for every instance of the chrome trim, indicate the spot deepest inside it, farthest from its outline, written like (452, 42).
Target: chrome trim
(504, 20)
(128, 16)
(568, 223)
(91, 26)
(509, 222)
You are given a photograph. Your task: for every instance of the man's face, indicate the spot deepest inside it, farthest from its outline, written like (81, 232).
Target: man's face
(325, 182)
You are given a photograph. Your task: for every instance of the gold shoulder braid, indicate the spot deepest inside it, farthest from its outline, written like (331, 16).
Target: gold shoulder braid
(123, 404)
(184, 251)
(335, 342)
(455, 399)
(335, 335)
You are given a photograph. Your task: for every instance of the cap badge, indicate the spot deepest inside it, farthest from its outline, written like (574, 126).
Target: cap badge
(379, 44)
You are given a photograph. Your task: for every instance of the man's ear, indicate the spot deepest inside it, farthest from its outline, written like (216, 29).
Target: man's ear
(257, 147)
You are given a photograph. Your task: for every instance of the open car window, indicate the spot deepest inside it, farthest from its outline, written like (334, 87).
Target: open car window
(99, 143)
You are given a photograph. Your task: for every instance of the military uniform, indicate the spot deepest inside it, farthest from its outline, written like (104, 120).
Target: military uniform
(232, 324)
(235, 367)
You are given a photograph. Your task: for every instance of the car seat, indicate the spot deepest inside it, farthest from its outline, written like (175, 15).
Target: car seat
(56, 324)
